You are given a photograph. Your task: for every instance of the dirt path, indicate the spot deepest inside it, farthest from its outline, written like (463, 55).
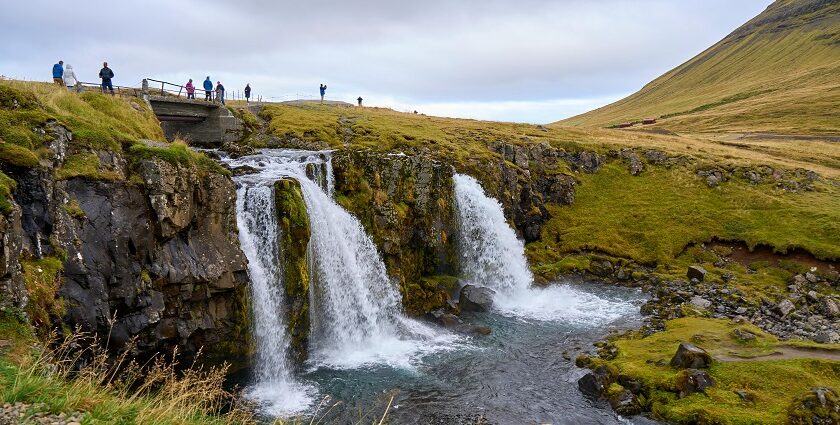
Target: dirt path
(786, 353)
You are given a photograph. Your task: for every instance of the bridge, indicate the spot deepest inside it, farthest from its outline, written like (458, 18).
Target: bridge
(199, 122)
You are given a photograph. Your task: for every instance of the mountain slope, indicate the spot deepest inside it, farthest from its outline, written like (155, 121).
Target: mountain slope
(776, 73)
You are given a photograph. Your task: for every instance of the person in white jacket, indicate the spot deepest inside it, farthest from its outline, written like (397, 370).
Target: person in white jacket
(70, 77)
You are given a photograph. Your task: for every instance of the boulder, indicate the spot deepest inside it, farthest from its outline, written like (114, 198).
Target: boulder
(691, 381)
(591, 385)
(785, 307)
(743, 335)
(624, 403)
(596, 383)
(476, 298)
(819, 406)
(696, 272)
(690, 356)
(830, 307)
(700, 302)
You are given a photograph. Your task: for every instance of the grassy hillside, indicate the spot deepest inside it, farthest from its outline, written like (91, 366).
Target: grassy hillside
(777, 73)
(649, 218)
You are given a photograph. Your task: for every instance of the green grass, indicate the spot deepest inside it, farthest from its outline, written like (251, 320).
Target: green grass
(456, 140)
(97, 121)
(779, 76)
(652, 217)
(177, 153)
(773, 383)
(85, 165)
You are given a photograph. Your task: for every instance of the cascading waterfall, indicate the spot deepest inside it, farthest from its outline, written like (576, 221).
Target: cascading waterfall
(355, 310)
(492, 256)
(257, 219)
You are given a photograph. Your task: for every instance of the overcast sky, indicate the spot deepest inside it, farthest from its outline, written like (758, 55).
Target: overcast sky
(525, 60)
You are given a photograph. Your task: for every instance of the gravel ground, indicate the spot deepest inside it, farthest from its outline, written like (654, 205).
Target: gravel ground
(36, 414)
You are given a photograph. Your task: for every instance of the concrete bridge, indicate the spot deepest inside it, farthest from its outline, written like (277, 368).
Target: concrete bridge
(196, 121)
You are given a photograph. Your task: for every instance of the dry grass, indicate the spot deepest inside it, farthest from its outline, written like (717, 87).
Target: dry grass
(78, 374)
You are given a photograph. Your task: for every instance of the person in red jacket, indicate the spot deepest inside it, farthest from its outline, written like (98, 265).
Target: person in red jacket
(190, 89)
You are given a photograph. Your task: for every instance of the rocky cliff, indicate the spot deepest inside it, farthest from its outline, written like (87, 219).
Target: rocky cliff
(138, 246)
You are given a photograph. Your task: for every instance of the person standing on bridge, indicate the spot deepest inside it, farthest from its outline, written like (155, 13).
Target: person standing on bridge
(70, 77)
(58, 73)
(248, 93)
(106, 75)
(323, 92)
(190, 89)
(220, 92)
(208, 89)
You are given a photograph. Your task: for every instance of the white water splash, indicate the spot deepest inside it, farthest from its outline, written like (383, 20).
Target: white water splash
(355, 310)
(492, 256)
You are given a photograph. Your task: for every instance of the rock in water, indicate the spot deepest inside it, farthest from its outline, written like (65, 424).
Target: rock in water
(696, 272)
(590, 385)
(476, 298)
(691, 381)
(690, 356)
(625, 404)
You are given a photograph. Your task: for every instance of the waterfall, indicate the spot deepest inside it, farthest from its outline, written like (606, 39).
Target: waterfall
(257, 219)
(492, 256)
(355, 309)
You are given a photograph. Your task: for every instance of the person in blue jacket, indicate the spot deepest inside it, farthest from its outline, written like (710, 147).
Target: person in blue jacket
(323, 92)
(58, 73)
(208, 89)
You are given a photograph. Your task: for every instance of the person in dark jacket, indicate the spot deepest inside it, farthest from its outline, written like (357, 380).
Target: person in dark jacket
(220, 92)
(106, 75)
(323, 92)
(360, 100)
(247, 93)
(208, 89)
(58, 73)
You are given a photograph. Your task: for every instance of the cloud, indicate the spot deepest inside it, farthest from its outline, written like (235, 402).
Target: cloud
(518, 56)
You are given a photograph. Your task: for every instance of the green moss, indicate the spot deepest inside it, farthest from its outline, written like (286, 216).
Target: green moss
(85, 165)
(774, 383)
(293, 222)
(7, 184)
(177, 153)
(427, 294)
(43, 279)
(74, 209)
(18, 156)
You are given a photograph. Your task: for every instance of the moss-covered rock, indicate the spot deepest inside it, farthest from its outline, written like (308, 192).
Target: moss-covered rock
(816, 407)
(294, 234)
(407, 205)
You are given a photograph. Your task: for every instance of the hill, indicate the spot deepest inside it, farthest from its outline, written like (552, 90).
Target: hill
(775, 74)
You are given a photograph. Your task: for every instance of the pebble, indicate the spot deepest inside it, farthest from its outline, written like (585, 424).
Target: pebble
(36, 414)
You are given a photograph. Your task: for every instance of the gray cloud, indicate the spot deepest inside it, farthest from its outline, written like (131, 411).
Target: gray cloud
(512, 60)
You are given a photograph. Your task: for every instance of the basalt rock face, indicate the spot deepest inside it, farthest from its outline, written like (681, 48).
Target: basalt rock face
(526, 177)
(407, 205)
(157, 261)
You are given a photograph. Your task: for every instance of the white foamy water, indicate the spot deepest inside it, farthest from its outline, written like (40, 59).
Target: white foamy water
(275, 387)
(355, 309)
(492, 256)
